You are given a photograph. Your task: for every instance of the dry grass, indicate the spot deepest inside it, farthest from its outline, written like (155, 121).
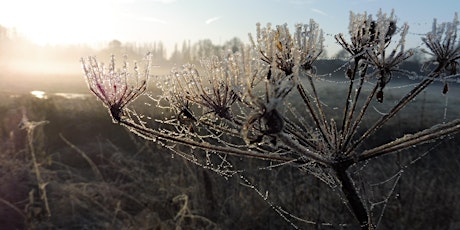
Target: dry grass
(98, 176)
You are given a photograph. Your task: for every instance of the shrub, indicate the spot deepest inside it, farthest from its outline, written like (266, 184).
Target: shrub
(263, 102)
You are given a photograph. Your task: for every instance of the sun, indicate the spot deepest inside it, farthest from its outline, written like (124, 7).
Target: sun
(60, 22)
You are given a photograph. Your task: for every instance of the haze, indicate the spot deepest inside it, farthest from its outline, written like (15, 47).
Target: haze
(41, 41)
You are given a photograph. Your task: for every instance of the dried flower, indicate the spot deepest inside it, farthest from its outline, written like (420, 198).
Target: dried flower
(368, 34)
(284, 56)
(444, 46)
(216, 90)
(115, 88)
(265, 118)
(385, 66)
(308, 41)
(279, 49)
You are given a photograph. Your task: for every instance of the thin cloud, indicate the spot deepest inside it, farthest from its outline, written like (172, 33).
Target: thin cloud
(130, 16)
(301, 2)
(319, 11)
(164, 1)
(137, 1)
(212, 20)
(152, 19)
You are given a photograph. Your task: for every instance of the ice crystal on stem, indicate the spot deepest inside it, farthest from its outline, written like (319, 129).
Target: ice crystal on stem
(116, 88)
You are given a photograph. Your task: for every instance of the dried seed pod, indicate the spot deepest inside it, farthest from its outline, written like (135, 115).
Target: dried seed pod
(349, 73)
(273, 121)
(380, 96)
(269, 74)
(391, 31)
(187, 113)
(445, 89)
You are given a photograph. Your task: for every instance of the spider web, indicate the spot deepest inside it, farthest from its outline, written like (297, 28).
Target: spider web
(179, 120)
(223, 165)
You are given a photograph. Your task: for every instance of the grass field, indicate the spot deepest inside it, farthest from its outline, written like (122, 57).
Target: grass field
(93, 174)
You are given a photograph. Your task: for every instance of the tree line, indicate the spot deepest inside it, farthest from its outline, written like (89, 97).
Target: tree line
(16, 48)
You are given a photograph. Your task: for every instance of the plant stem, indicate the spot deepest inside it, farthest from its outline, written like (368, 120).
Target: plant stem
(321, 124)
(410, 140)
(346, 117)
(401, 104)
(151, 134)
(349, 190)
(306, 152)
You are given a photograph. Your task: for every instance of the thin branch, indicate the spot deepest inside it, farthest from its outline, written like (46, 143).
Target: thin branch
(355, 100)
(93, 166)
(411, 140)
(401, 104)
(151, 134)
(328, 138)
(302, 150)
(346, 114)
(12, 206)
(313, 112)
(352, 131)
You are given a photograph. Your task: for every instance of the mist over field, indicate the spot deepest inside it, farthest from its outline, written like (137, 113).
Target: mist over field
(27, 66)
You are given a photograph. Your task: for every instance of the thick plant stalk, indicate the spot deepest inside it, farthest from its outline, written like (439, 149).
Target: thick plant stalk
(349, 191)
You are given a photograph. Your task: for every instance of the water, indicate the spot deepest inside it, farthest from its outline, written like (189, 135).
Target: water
(43, 95)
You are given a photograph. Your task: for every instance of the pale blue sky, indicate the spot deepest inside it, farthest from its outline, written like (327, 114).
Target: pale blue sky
(173, 21)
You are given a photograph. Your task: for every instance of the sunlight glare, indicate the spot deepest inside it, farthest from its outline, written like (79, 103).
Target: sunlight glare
(60, 22)
(39, 94)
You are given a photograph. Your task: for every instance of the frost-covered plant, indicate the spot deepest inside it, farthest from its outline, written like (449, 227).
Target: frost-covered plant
(116, 88)
(444, 48)
(238, 104)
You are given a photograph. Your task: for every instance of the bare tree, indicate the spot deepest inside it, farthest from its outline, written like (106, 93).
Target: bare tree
(263, 101)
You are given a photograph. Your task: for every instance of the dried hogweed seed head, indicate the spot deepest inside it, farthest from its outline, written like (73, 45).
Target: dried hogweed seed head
(116, 88)
(444, 46)
(367, 33)
(283, 56)
(280, 49)
(377, 57)
(370, 41)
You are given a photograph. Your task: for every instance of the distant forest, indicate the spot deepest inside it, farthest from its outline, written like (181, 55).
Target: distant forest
(18, 54)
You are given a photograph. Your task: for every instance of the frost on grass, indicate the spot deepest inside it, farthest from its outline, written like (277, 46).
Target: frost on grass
(263, 102)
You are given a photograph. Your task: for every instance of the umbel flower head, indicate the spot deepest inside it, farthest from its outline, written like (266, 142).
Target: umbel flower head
(116, 88)
(385, 65)
(370, 41)
(216, 90)
(444, 46)
(285, 51)
(368, 34)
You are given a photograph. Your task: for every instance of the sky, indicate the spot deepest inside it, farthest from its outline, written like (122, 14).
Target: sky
(173, 21)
